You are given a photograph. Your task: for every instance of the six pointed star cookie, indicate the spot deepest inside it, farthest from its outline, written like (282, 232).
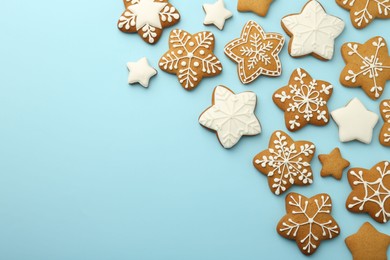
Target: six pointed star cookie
(367, 66)
(384, 136)
(191, 57)
(333, 164)
(216, 14)
(285, 162)
(231, 116)
(308, 221)
(140, 72)
(259, 7)
(312, 31)
(256, 53)
(304, 100)
(148, 18)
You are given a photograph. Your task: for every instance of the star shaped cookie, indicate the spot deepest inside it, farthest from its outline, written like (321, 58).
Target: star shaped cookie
(367, 66)
(355, 122)
(231, 116)
(148, 18)
(384, 136)
(304, 100)
(256, 53)
(216, 14)
(259, 7)
(333, 164)
(312, 31)
(140, 72)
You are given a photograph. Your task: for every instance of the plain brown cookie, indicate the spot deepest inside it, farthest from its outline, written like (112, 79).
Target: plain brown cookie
(259, 7)
(384, 137)
(333, 164)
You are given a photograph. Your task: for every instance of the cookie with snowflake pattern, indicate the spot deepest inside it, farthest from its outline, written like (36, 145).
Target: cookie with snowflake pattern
(191, 57)
(367, 66)
(308, 221)
(256, 52)
(286, 162)
(384, 136)
(304, 100)
(148, 18)
(370, 191)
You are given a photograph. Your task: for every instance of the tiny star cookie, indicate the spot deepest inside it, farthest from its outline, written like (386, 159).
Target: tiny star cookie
(148, 18)
(384, 137)
(333, 164)
(216, 14)
(256, 53)
(285, 162)
(363, 12)
(259, 7)
(231, 116)
(367, 66)
(308, 221)
(370, 191)
(191, 57)
(355, 122)
(140, 72)
(312, 31)
(304, 100)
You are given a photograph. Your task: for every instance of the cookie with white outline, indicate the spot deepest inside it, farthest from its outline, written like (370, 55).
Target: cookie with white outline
(384, 136)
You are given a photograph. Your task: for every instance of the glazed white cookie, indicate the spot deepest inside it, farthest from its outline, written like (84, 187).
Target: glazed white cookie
(140, 72)
(216, 14)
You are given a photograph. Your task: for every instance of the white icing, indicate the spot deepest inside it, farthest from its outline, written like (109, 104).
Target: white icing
(140, 72)
(362, 16)
(386, 117)
(147, 12)
(216, 14)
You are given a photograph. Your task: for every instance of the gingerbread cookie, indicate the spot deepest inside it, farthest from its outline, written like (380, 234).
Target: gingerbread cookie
(370, 191)
(148, 18)
(308, 221)
(363, 12)
(333, 164)
(304, 100)
(285, 162)
(216, 14)
(384, 136)
(191, 57)
(259, 7)
(231, 116)
(367, 66)
(312, 31)
(140, 72)
(256, 53)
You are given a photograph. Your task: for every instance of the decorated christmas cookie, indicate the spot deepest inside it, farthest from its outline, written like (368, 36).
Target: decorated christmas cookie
(304, 100)
(363, 12)
(148, 18)
(216, 14)
(384, 136)
(285, 162)
(231, 116)
(259, 7)
(312, 31)
(308, 221)
(370, 191)
(191, 57)
(140, 72)
(367, 66)
(333, 164)
(256, 53)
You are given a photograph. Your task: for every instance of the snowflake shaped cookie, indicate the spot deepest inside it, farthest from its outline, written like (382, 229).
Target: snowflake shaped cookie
(256, 53)
(191, 57)
(384, 137)
(285, 162)
(304, 100)
(370, 191)
(363, 12)
(148, 18)
(231, 116)
(308, 221)
(367, 66)
(313, 31)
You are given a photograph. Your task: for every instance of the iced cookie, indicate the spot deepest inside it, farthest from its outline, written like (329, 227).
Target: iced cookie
(367, 66)
(216, 14)
(140, 72)
(256, 53)
(308, 221)
(304, 100)
(285, 162)
(231, 116)
(191, 57)
(312, 31)
(333, 164)
(370, 191)
(259, 7)
(148, 18)
(384, 136)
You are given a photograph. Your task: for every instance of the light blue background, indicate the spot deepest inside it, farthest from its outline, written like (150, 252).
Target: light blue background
(92, 168)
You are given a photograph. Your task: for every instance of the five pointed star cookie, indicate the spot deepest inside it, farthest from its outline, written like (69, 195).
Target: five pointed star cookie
(308, 221)
(355, 122)
(333, 164)
(191, 57)
(304, 100)
(368, 243)
(216, 14)
(367, 66)
(140, 72)
(285, 162)
(370, 191)
(231, 116)
(256, 53)
(312, 31)
(259, 7)
(384, 136)
(148, 18)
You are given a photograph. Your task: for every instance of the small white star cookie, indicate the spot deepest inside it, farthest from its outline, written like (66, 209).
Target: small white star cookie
(140, 72)
(216, 14)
